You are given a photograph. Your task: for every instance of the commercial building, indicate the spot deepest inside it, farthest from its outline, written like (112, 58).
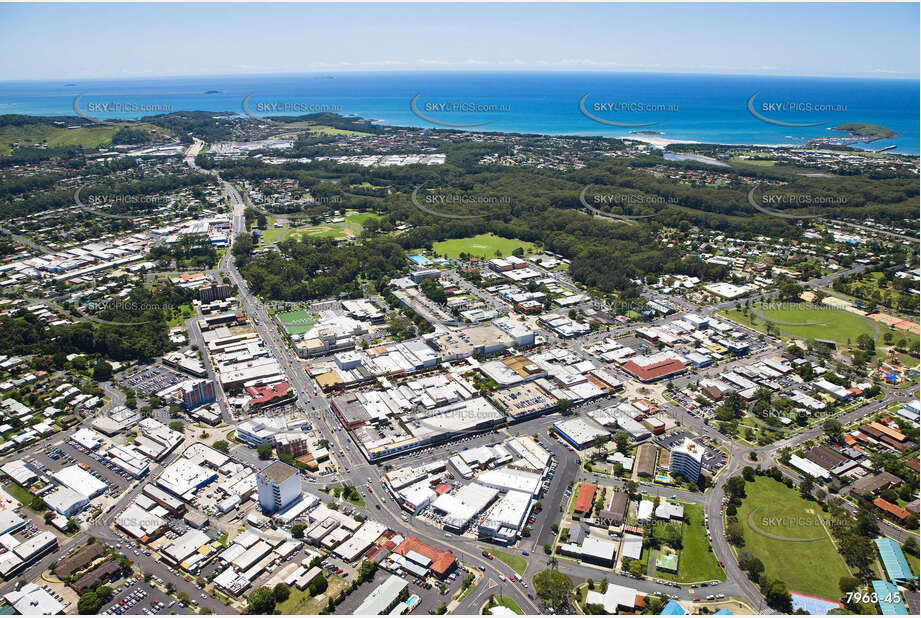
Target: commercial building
(27, 553)
(33, 600)
(506, 521)
(66, 502)
(615, 599)
(384, 597)
(439, 562)
(593, 551)
(181, 549)
(580, 432)
(80, 481)
(278, 485)
(655, 367)
(184, 477)
(807, 467)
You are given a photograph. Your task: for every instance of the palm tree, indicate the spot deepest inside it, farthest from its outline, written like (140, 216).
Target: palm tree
(552, 562)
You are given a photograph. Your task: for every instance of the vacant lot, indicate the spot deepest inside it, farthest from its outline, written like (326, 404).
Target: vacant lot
(697, 563)
(803, 557)
(300, 601)
(482, 245)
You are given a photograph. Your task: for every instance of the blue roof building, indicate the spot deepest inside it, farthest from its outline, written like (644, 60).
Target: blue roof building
(889, 598)
(894, 561)
(672, 608)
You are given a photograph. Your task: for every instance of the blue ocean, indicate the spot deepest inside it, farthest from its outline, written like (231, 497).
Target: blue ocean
(721, 109)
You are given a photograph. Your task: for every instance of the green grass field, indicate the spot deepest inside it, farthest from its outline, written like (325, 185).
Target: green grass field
(89, 137)
(808, 322)
(296, 322)
(811, 566)
(298, 127)
(20, 493)
(516, 562)
(697, 563)
(482, 245)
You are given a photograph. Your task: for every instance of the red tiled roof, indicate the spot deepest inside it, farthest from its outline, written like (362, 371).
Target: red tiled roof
(265, 394)
(585, 498)
(892, 509)
(654, 371)
(442, 561)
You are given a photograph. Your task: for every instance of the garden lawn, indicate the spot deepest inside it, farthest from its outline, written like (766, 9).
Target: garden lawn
(810, 567)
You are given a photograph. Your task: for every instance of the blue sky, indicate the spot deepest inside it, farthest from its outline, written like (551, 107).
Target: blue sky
(69, 41)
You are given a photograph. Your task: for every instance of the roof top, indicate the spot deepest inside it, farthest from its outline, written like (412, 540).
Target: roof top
(278, 472)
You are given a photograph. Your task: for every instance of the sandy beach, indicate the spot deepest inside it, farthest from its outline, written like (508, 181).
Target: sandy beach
(657, 141)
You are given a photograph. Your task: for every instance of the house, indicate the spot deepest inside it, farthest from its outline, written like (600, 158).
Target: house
(892, 509)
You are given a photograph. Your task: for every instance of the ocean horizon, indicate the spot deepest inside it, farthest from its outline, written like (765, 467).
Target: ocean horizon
(718, 109)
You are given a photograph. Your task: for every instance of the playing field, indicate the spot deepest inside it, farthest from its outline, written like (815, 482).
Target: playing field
(296, 322)
(482, 245)
(808, 322)
(798, 551)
